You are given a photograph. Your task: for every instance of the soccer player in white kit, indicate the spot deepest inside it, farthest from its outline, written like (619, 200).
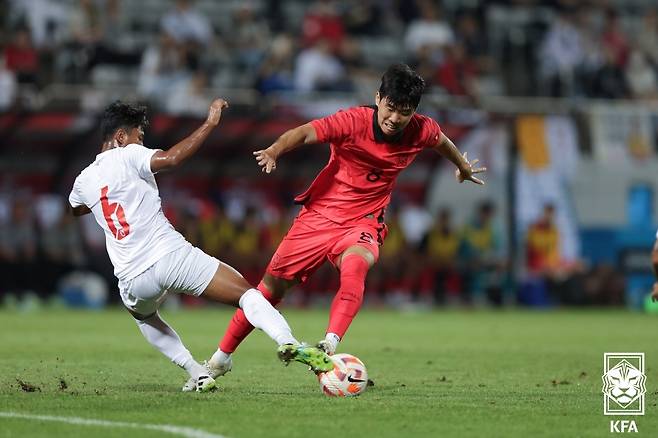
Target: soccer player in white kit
(151, 258)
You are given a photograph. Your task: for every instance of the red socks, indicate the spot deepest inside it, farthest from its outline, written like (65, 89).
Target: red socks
(348, 299)
(239, 327)
(345, 306)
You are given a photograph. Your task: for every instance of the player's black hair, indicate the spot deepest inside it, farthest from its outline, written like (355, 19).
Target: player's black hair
(402, 86)
(122, 115)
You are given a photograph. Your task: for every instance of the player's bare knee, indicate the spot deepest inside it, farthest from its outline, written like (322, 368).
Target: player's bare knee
(277, 286)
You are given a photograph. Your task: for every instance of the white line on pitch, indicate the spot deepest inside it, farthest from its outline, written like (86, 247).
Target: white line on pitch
(187, 432)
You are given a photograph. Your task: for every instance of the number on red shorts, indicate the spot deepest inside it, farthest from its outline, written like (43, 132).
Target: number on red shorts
(365, 238)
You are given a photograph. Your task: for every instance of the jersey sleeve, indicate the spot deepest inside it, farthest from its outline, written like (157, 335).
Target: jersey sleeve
(334, 128)
(139, 158)
(75, 197)
(430, 133)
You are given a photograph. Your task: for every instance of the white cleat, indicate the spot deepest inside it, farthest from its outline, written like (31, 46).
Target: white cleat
(205, 383)
(326, 346)
(214, 372)
(190, 385)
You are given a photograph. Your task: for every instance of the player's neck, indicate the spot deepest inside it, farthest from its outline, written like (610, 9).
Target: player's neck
(108, 145)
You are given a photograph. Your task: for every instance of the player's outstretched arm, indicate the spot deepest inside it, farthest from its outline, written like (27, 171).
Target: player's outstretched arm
(654, 263)
(266, 158)
(164, 160)
(466, 170)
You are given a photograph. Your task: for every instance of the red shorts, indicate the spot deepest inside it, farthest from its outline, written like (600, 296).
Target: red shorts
(313, 238)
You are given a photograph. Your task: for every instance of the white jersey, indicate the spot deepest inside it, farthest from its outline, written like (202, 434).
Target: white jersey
(120, 189)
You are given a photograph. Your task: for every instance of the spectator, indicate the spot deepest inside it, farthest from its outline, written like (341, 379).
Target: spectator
(162, 68)
(19, 251)
(323, 23)
(318, 69)
(248, 239)
(391, 255)
(275, 72)
(8, 86)
(609, 81)
(415, 221)
(217, 232)
(543, 243)
(561, 53)
(485, 268)
(62, 249)
(364, 18)
(647, 37)
(614, 39)
(90, 25)
(641, 77)
(250, 36)
(189, 96)
(46, 20)
(22, 58)
(550, 278)
(457, 74)
(429, 33)
(472, 35)
(442, 245)
(187, 26)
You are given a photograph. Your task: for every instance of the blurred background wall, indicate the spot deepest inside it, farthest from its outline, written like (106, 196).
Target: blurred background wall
(557, 98)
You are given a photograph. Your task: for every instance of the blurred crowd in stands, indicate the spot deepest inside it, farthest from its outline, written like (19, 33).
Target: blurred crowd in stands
(177, 54)
(425, 260)
(171, 51)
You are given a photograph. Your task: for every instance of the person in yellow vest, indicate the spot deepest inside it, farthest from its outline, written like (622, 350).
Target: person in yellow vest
(485, 274)
(442, 245)
(217, 232)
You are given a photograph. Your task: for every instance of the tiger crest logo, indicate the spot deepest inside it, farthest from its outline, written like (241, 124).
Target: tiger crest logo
(624, 384)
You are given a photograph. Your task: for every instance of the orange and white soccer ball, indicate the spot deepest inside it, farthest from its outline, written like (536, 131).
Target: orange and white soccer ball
(348, 378)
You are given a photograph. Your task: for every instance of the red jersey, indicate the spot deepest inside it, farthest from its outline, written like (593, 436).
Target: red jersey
(364, 164)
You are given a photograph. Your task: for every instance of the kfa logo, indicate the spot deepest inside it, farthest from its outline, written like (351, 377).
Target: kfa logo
(623, 388)
(621, 426)
(623, 384)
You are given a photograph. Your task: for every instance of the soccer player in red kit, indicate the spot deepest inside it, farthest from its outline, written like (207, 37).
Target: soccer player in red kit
(342, 218)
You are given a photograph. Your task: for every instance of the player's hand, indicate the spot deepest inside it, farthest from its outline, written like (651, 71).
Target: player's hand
(468, 171)
(654, 292)
(215, 111)
(266, 160)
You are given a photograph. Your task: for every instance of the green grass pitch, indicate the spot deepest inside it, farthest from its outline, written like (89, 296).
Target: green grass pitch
(446, 373)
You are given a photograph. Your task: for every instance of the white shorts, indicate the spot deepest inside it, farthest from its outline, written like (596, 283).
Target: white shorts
(187, 270)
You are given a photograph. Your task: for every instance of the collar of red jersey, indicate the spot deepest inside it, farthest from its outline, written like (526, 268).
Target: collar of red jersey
(380, 137)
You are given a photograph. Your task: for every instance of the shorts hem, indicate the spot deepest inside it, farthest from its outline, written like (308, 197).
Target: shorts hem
(205, 284)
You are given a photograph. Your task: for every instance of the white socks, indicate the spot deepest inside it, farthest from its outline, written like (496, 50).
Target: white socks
(333, 339)
(159, 334)
(219, 358)
(261, 314)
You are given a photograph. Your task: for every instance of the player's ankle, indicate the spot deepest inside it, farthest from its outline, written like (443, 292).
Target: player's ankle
(219, 358)
(333, 339)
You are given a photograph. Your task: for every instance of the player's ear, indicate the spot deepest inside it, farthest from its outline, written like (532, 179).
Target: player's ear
(377, 98)
(121, 136)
